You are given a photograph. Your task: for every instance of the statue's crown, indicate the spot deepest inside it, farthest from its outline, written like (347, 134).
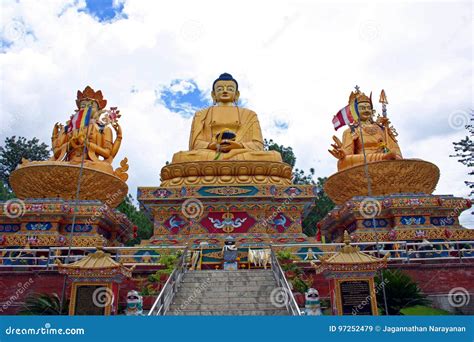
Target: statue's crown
(360, 97)
(89, 94)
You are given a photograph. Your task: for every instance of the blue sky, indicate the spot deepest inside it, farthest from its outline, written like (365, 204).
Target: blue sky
(104, 10)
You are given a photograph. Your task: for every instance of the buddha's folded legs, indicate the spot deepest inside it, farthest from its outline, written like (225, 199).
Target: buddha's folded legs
(358, 159)
(237, 154)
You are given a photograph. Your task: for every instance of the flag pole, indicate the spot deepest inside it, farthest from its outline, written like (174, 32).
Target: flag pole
(74, 215)
(369, 193)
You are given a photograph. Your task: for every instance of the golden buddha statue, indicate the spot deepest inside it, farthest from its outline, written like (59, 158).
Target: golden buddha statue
(226, 146)
(226, 131)
(87, 139)
(376, 137)
(386, 171)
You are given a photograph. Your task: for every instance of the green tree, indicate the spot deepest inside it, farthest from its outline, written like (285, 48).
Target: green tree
(5, 193)
(138, 218)
(465, 152)
(401, 291)
(287, 153)
(14, 150)
(322, 204)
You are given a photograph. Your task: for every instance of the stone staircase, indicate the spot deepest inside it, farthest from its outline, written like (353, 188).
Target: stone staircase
(243, 292)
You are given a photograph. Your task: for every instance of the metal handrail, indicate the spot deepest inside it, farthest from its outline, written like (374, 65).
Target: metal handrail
(162, 302)
(407, 252)
(290, 302)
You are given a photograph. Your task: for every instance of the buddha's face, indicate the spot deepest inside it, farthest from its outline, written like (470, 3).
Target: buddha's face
(225, 92)
(365, 111)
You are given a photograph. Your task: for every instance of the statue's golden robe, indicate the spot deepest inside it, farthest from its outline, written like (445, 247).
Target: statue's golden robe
(375, 141)
(209, 122)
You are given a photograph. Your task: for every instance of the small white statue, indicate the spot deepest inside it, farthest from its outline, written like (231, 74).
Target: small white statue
(312, 304)
(134, 304)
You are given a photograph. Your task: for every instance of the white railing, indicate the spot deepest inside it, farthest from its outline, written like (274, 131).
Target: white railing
(49, 257)
(166, 295)
(406, 252)
(290, 302)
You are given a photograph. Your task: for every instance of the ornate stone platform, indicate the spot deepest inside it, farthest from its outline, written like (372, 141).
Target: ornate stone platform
(398, 217)
(256, 213)
(59, 180)
(226, 173)
(48, 222)
(387, 177)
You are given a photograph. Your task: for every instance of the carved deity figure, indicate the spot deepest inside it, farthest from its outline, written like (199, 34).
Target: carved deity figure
(93, 142)
(225, 131)
(374, 136)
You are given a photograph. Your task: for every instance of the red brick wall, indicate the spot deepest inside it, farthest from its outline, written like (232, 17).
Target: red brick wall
(432, 278)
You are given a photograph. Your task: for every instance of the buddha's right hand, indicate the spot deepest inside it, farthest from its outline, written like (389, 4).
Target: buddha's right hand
(212, 146)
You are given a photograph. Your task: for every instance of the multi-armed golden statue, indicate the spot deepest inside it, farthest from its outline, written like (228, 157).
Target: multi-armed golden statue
(68, 142)
(226, 146)
(87, 140)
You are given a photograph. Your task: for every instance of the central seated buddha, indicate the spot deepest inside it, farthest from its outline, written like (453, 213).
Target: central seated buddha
(226, 146)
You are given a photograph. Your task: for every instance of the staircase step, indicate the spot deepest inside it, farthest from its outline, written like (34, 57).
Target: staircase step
(227, 288)
(223, 306)
(256, 298)
(218, 283)
(218, 292)
(271, 312)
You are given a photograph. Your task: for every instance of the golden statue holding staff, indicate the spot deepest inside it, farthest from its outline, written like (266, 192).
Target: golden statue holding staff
(374, 142)
(379, 140)
(226, 146)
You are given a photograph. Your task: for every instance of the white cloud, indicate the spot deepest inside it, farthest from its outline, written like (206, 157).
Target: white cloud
(295, 62)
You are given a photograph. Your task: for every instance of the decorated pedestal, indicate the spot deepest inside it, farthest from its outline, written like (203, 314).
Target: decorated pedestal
(202, 217)
(351, 274)
(398, 217)
(95, 284)
(48, 222)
